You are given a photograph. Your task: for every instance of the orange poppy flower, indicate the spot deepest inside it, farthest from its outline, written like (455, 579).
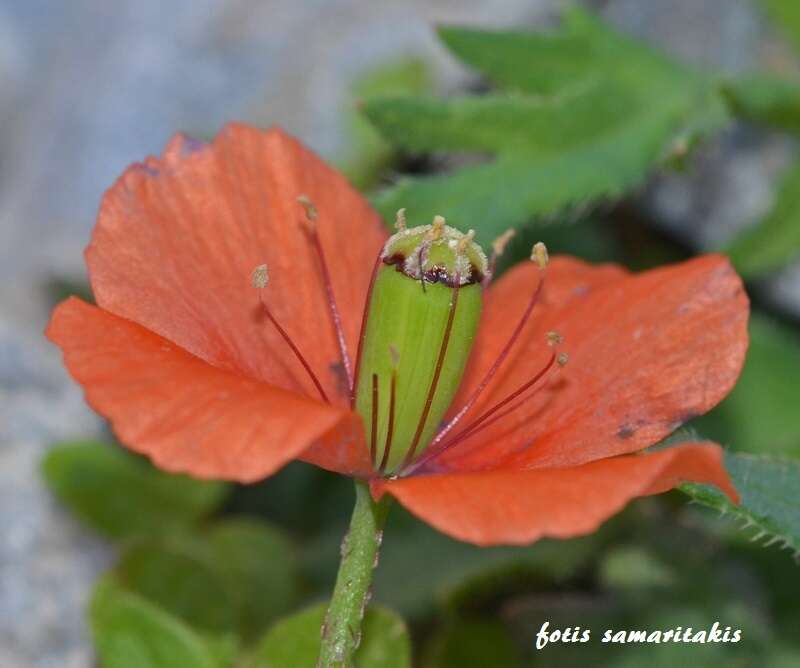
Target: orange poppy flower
(179, 356)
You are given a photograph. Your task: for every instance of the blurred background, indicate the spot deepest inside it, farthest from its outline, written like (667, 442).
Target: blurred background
(87, 87)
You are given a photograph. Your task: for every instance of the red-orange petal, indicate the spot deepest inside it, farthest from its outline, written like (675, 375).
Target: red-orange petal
(516, 507)
(189, 416)
(646, 353)
(178, 237)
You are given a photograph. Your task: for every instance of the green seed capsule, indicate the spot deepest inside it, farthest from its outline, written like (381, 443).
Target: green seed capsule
(421, 323)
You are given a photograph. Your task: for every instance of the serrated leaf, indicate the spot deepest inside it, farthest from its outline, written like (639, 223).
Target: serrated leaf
(786, 15)
(294, 642)
(120, 495)
(589, 113)
(755, 416)
(766, 100)
(499, 123)
(237, 576)
(130, 632)
(582, 52)
(769, 488)
(775, 240)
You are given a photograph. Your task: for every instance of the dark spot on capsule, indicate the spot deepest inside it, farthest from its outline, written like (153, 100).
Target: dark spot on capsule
(625, 432)
(436, 274)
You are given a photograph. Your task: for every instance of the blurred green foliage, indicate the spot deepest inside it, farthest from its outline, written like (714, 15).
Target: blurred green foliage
(120, 495)
(584, 113)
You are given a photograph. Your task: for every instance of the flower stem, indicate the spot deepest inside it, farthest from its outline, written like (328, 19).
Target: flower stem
(341, 632)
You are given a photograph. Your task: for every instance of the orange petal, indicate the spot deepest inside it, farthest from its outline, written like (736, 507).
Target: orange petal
(646, 353)
(189, 416)
(515, 507)
(178, 237)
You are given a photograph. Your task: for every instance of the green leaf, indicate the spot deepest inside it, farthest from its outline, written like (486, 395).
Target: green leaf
(786, 15)
(589, 113)
(294, 641)
(756, 417)
(472, 644)
(635, 568)
(237, 576)
(775, 241)
(769, 488)
(176, 577)
(583, 52)
(367, 153)
(766, 100)
(120, 495)
(129, 632)
(259, 568)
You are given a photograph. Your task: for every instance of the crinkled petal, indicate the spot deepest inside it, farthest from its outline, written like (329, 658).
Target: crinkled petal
(178, 237)
(647, 352)
(191, 417)
(515, 507)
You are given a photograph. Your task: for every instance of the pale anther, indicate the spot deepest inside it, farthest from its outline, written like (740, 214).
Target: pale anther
(395, 355)
(400, 220)
(562, 359)
(539, 254)
(260, 277)
(553, 338)
(308, 205)
(499, 244)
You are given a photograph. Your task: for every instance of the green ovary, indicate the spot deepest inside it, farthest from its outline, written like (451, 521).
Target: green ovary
(404, 335)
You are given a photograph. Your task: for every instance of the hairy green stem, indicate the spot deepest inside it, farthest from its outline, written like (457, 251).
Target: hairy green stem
(341, 632)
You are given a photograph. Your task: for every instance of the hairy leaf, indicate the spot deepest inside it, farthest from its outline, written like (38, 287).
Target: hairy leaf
(586, 114)
(769, 489)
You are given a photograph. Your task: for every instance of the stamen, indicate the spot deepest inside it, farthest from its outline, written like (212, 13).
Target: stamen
(374, 431)
(499, 246)
(400, 220)
(540, 255)
(484, 421)
(311, 211)
(311, 216)
(500, 358)
(436, 373)
(554, 338)
(260, 279)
